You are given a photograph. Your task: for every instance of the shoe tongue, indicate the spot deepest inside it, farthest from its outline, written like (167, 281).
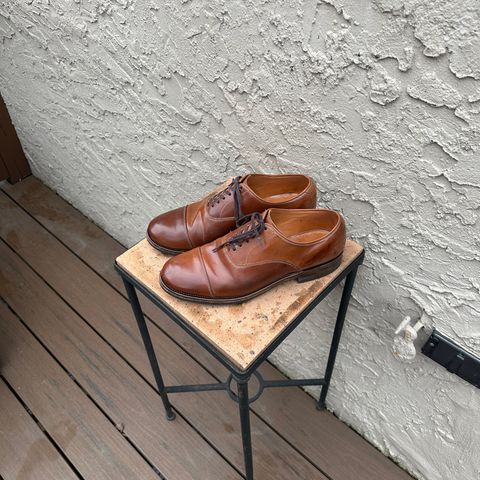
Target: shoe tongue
(267, 217)
(244, 182)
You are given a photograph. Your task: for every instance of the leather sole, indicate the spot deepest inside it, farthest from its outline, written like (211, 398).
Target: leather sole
(303, 276)
(167, 251)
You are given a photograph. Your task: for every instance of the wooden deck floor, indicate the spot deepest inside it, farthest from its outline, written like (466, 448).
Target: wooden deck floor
(77, 399)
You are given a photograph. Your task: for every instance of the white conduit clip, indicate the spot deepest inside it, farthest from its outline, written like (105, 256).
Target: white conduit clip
(403, 346)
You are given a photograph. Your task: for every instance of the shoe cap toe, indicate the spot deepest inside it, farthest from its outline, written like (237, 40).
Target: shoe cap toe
(168, 230)
(186, 274)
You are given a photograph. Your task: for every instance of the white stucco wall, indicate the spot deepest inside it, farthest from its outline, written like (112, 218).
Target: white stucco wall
(129, 108)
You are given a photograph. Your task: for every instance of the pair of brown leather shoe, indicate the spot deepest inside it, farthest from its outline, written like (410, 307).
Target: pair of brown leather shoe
(241, 241)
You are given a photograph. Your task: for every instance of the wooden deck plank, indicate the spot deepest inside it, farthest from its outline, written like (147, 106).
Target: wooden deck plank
(212, 413)
(87, 240)
(326, 441)
(174, 448)
(25, 451)
(92, 444)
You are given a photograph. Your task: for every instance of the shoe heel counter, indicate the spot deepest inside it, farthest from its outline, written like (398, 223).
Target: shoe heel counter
(339, 239)
(331, 247)
(309, 199)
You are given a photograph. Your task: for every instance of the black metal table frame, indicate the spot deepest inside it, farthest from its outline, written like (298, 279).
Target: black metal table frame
(242, 377)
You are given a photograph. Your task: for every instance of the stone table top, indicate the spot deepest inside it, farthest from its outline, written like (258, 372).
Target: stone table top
(241, 332)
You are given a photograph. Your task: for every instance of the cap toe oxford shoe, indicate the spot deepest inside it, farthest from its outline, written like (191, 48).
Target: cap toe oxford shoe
(201, 222)
(271, 248)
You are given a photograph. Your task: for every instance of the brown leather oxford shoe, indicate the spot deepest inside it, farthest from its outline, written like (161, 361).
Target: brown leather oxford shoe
(201, 222)
(272, 247)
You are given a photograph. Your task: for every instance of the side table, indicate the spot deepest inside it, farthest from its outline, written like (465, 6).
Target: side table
(240, 337)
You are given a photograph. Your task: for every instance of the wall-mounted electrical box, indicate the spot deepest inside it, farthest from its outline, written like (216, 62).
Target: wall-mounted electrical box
(453, 357)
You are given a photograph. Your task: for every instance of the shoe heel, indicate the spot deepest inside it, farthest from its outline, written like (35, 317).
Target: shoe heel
(320, 271)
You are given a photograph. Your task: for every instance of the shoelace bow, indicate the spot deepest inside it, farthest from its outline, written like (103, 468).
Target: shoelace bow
(255, 227)
(236, 188)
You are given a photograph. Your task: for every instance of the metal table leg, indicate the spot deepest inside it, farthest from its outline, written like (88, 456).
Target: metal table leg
(244, 406)
(241, 377)
(147, 341)
(342, 310)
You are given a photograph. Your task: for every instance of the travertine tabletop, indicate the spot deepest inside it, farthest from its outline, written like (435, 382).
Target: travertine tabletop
(242, 332)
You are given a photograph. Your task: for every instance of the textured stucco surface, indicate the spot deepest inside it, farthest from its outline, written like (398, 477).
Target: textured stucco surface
(128, 108)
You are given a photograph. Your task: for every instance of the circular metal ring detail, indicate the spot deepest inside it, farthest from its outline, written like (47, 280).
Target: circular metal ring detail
(234, 396)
